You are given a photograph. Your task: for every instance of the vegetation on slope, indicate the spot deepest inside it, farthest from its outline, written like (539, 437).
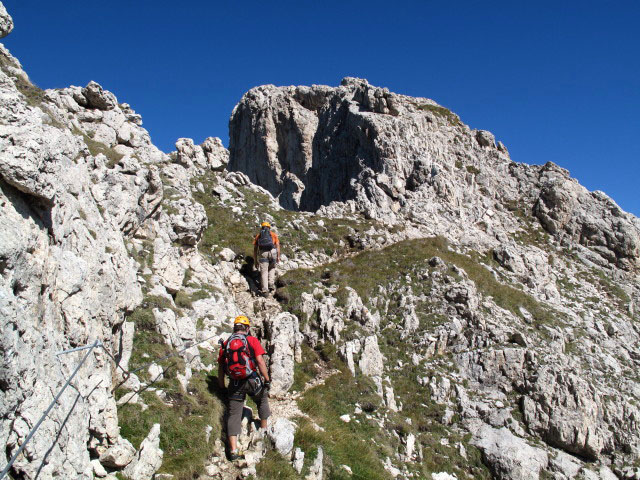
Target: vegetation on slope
(373, 433)
(442, 112)
(182, 415)
(35, 96)
(402, 259)
(298, 232)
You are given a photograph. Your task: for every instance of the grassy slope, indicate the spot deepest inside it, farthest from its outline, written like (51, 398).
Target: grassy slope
(395, 266)
(400, 260)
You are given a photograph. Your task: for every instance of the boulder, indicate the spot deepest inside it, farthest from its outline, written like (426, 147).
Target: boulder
(6, 22)
(227, 255)
(118, 455)
(371, 362)
(148, 459)
(188, 220)
(298, 460)
(509, 457)
(281, 432)
(485, 138)
(284, 341)
(99, 98)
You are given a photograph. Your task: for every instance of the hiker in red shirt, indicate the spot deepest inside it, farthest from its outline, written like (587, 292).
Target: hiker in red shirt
(240, 358)
(266, 252)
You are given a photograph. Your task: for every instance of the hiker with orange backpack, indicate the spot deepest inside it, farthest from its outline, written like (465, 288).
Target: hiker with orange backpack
(266, 252)
(241, 358)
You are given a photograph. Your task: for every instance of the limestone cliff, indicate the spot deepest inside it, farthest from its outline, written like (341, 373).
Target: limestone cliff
(399, 158)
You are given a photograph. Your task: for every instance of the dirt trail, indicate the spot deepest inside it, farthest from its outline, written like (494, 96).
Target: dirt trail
(253, 445)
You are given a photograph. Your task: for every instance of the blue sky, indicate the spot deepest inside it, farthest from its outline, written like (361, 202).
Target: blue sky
(554, 81)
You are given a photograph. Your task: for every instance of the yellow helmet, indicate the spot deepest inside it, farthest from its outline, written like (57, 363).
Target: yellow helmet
(265, 224)
(241, 319)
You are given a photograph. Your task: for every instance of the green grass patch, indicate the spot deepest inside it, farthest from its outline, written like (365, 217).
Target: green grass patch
(145, 255)
(344, 443)
(306, 370)
(148, 346)
(566, 285)
(473, 170)
(439, 441)
(517, 207)
(298, 232)
(619, 297)
(442, 112)
(183, 299)
(273, 465)
(143, 319)
(96, 148)
(182, 425)
(209, 358)
(225, 229)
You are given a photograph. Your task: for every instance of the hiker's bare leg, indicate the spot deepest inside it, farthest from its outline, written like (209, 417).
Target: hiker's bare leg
(263, 423)
(264, 272)
(272, 276)
(233, 442)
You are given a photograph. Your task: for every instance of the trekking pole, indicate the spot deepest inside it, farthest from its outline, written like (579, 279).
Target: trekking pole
(55, 400)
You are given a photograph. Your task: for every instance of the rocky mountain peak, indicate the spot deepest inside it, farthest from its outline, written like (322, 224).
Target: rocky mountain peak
(402, 159)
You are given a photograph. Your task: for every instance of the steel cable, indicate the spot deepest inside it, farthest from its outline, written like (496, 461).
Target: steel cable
(44, 415)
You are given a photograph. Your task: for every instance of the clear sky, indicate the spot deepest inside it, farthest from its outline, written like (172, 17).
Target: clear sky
(553, 80)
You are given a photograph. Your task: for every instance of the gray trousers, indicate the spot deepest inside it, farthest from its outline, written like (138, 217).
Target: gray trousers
(237, 395)
(267, 259)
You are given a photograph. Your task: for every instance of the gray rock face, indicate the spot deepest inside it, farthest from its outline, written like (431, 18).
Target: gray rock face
(314, 145)
(211, 154)
(568, 414)
(6, 22)
(592, 219)
(67, 277)
(510, 457)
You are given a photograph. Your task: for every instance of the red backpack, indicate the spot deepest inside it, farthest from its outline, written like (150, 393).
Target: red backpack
(239, 358)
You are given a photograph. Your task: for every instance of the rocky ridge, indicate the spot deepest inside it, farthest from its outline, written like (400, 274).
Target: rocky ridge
(396, 158)
(505, 350)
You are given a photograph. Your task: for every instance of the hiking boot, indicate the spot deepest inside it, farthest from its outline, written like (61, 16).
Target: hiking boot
(234, 455)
